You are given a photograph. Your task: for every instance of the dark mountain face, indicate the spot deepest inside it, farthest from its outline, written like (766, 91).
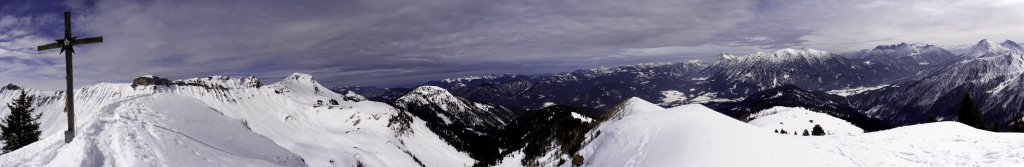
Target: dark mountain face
(908, 58)
(467, 125)
(591, 89)
(793, 96)
(738, 76)
(489, 132)
(993, 78)
(731, 78)
(538, 132)
(374, 93)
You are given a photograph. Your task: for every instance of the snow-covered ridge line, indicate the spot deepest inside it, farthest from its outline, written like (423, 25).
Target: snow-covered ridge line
(694, 135)
(424, 95)
(472, 78)
(987, 48)
(779, 55)
(298, 114)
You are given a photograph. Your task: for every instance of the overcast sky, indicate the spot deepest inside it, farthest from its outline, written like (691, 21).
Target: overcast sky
(406, 42)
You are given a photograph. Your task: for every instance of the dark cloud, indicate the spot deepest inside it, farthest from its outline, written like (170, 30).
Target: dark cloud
(402, 42)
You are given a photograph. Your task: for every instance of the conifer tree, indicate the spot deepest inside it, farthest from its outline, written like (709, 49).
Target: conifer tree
(806, 133)
(817, 130)
(20, 128)
(1017, 124)
(969, 114)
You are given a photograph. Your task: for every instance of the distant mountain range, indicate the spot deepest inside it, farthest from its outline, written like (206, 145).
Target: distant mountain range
(908, 82)
(991, 73)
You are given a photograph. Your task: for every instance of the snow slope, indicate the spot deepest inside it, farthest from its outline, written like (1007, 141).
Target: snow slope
(798, 119)
(156, 130)
(287, 113)
(693, 135)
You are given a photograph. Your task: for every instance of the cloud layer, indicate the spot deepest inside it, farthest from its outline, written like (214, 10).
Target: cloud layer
(403, 42)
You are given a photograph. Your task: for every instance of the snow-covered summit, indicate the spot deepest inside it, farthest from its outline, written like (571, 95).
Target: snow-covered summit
(472, 78)
(787, 54)
(223, 82)
(630, 106)
(694, 135)
(299, 83)
(433, 101)
(907, 57)
(431, 95)
(986, 48)
(797, 119)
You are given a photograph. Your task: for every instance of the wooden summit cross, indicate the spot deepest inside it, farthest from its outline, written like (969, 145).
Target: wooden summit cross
(65, 46)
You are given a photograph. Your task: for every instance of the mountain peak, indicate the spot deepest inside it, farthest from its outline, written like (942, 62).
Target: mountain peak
(472, 78)
(987, 48)
(1012, 45)
(901, 45)
(436, 104)
(780, 55)
(428, 94)
(12, 86)
(630, 106)
(300, 76)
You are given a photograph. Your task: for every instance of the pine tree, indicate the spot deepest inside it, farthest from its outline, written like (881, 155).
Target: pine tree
(783, 131)
(20, 128)
(806, 133)
(817, 130)
(969, 114)
(1017, 125)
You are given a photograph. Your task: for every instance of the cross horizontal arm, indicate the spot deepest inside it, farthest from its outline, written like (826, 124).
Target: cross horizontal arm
(87, 40)
(48, 46)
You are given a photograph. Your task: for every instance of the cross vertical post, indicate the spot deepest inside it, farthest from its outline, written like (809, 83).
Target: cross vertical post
(65, 46)
(70, 91)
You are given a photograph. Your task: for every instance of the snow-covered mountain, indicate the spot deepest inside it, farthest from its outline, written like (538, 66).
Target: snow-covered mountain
(911, 57)
(992, 74)
(738, 76)
(465, 124)
(373, 93)
(794, 120)
(987, 48)
(793, 96)
(225, 121)
(731, 78)
(694, 135)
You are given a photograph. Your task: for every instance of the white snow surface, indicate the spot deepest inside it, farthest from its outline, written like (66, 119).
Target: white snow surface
(670, 97)
(854, 91)
(272, 125)
(581, 117)
(798, 119)
(694, 135)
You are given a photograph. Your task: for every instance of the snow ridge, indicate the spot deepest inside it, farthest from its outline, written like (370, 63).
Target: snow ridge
(787, 54)
(694, 135)
(986, 48)
(293, 114)
(453, 109)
